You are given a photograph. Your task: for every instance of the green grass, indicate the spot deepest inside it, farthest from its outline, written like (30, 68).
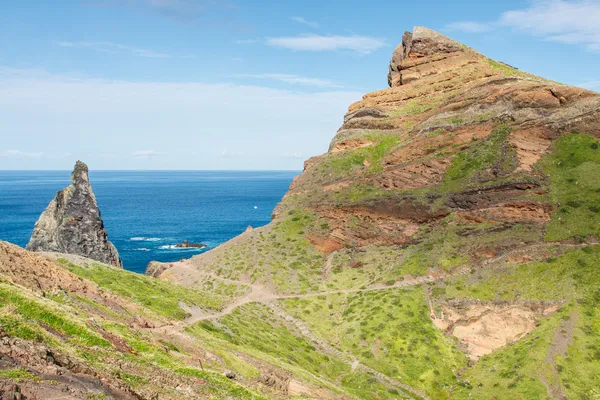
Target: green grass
(157, 295)
(219, 387)
(573, 167)
(254, 326)
(515, 371)
(367, 387)
(554, 279)
(345, 162)
(281, 256)
(416, 107)
(30, 310)
(18, 374)
(389, 330)
(485, 160)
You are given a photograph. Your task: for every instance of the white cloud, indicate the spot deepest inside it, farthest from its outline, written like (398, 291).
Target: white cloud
(303, 21)
(469, 27)
(571, 22)
(358, 44)
(574, 22)
(109, 47)
(146, 154)
(20, 154)
(227, 154)
(292, 79)
(190, 123)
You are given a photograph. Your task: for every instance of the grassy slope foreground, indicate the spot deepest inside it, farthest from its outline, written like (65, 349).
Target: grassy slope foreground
(445, 247)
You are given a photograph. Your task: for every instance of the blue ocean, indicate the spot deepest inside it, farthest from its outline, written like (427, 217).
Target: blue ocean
(146, 213)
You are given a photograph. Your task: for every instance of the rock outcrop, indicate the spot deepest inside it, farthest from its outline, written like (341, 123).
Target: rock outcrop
(414, 55)
(72, 223)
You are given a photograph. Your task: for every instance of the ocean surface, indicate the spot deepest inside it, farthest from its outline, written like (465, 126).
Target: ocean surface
(146, 213)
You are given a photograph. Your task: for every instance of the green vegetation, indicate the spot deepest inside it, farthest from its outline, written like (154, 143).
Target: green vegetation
(283, 255)
(389, 330)
(24, 309)
(18, 374)
(371, 156)
(416, 107)
(219, 387)
(519, 370)
(253, 326)
(157, 295)
(574, 170)
(367, 387)
(486, 160)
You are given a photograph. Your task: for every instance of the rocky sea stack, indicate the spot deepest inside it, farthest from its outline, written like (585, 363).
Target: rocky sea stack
(72, 223)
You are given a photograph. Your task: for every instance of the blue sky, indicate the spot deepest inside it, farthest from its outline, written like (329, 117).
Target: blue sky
(207, 84)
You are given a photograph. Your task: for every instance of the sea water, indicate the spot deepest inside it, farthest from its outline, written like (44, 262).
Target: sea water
(146, 213)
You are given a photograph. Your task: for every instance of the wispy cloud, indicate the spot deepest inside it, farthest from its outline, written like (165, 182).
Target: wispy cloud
(293, 79)
(469, 27)
(572, 22)
(146, 154)
(214, 13)
(189, 122)
(303, 21)
(231, 154)
(20, 154)
(109, 47)
(358, 44)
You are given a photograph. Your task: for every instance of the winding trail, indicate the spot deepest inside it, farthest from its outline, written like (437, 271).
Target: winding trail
(261, 294)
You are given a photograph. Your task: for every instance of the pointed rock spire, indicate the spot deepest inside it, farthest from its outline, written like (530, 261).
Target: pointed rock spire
(72, 223)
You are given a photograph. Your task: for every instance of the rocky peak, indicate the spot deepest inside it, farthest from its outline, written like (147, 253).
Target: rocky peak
(79, 176)
(72, 223)
(419, 47)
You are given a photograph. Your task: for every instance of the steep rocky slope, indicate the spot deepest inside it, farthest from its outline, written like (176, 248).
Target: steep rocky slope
(447, 239)
(72, 223)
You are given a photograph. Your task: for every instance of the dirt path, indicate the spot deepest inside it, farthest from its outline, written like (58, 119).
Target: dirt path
(563, 337)
(327, 267)
(262, 294)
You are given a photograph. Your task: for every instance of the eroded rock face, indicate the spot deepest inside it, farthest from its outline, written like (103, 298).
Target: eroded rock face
(484, 327)
(414, 50)
(72, 223)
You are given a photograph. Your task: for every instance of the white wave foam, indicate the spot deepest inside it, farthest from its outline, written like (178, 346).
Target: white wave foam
(145, 239)
(143, 249)
(174, 247)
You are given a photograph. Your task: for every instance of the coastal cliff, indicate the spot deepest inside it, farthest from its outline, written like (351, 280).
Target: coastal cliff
(72, 223)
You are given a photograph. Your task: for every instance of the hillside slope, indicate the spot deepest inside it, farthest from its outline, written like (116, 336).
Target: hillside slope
(448, 237)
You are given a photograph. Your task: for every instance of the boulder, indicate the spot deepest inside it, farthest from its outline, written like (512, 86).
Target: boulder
(72, 223)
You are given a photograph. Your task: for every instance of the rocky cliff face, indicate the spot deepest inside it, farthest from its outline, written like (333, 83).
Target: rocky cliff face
(72, 223)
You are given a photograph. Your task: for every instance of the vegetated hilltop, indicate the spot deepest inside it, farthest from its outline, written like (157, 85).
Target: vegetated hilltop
(444, 247)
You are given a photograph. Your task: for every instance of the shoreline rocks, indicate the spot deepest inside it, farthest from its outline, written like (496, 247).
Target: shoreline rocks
(185, 245)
